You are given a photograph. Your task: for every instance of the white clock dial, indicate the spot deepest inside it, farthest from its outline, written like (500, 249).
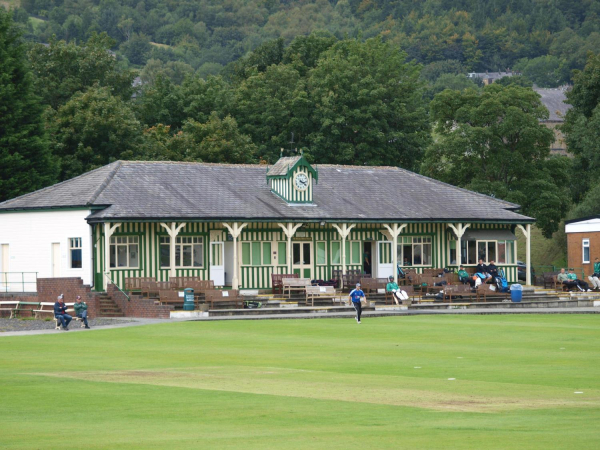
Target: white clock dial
(301, 181)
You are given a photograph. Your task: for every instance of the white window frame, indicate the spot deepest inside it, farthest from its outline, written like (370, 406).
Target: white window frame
(75, 244)
(128, 242)
(412, 243)
(585, 243)
(189, 241)
(316, 254)
(261, 252)
(349, 254)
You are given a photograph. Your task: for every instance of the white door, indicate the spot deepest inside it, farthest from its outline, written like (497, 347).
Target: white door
(385, 264)
(4, 267)
(217, 263)
(56, 259)
(301, 259)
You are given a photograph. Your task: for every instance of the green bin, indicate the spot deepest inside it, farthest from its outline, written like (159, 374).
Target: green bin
(188, 299)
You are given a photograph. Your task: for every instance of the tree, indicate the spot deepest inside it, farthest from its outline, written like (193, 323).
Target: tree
(26, 163)
(492, 142)
(545, 71)
(161, 103)
(217, 141)
(582, 126)
(368, 106)
(62, 69)
(92, 129)
(137, 48)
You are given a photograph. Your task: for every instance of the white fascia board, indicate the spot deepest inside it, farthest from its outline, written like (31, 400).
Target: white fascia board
(585, 226)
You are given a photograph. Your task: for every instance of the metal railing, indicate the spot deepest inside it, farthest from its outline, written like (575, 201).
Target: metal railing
(122, 291)
(18, 281)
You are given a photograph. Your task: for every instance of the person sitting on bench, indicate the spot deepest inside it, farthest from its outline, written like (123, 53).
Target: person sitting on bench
(60, 313)
(483, 269)
(594, 278)
(493, 271)
(581, 285)
(81, 311)
(391, 288)
(464, 277)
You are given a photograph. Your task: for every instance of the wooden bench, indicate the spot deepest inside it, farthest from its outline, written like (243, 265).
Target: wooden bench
(170, 298)
(136, 283)
(320, 292)
(431, 284)
(457, 291)
(369, 284)
(485, 290)
(294, 284)
(26, 306)
(224, 297)
(180, 283)
(11, 306)
(70, 311)
(154, 287)
(277, 281)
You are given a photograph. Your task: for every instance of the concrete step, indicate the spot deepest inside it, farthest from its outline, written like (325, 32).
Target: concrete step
(290, 311)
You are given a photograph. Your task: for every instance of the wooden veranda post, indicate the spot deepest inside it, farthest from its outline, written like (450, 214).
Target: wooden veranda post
(343, 230)
(108, 232)
(289, 229)
(527, 232)
(394, 230)
(173, 229)
(235, 229)
(459, 229)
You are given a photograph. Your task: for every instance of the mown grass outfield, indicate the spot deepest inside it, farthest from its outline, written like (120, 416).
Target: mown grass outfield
(478, 382)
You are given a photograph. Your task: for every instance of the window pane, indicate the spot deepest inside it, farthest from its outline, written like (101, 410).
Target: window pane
(491, 248)
(306, 253)
(113, 258)
(187, 255)
(452, 252)
(586, 251)
(335, 253)
(266, 253)
(417, 256)
(134, 255)
(356, 253)
(427, 254)
(76, 259)
(256, 253)
(165, 255)
(282, 252)
(384, 253)
(510, 252)
(121, 256)
(321, 253)
(472, 252)
(296, 257)
(501, 252)
(481, 251)
(399, 254)
(199, 255)
(246, 253)
(178, 255)
(408, 259)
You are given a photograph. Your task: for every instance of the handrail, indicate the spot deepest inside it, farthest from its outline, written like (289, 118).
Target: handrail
(122, 291)
(5, 281)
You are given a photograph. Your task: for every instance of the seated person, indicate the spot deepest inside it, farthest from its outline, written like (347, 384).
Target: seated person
(581, 285)
(81, 310)
(60, 313)
(464, 277)
(483, 269)
(492, 270)
(595, 277)
(391, 288)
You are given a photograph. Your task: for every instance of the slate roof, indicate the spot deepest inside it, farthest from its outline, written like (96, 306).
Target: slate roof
(554, 100)
(178, 191)
(282, 165)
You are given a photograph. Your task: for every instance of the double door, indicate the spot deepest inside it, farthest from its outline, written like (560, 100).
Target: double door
(302, 259)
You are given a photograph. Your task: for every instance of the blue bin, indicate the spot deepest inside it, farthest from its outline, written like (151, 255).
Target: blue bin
(516, 293)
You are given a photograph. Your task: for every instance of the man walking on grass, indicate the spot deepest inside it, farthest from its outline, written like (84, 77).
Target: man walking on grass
(356, 295)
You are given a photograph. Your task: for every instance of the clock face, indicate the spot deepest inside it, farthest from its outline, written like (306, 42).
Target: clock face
(301, 181)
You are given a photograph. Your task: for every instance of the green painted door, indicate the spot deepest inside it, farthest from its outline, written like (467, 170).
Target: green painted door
(302, 259)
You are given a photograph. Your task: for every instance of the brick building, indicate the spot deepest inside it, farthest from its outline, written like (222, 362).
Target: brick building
(583, 242)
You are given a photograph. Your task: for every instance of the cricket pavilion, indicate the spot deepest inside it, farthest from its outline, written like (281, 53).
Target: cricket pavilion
(238, 224)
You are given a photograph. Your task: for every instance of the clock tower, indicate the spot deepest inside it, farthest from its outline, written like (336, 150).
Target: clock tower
(291, 178)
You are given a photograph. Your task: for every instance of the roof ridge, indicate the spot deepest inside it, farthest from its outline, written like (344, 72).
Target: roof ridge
(105, 183)
(37, 191)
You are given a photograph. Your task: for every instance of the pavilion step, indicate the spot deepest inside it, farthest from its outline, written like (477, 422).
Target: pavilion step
(287, 311)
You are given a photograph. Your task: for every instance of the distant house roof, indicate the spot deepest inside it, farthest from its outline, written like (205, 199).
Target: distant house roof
(197, 191)
(554, 100)
(491, 75)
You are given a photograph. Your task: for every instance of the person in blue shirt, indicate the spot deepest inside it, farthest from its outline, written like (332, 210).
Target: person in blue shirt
(355, 296)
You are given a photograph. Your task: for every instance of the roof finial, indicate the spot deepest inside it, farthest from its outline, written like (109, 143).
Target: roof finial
(281, 152)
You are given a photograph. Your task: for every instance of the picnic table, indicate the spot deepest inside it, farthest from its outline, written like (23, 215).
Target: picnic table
(320, 292)
(295, 284)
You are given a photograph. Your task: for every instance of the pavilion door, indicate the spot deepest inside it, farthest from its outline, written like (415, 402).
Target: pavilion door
(384, 259)
(56, 259)
(302, 259)
(4, 266)
(217, 263)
